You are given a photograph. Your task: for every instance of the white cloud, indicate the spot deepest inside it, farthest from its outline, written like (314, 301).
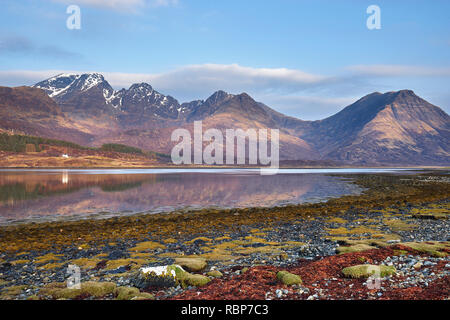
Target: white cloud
(399, 71)
(199, 80)
(203, 78)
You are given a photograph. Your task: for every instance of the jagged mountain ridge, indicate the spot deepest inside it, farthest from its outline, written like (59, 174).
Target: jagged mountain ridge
(139, 101)
(390, 128)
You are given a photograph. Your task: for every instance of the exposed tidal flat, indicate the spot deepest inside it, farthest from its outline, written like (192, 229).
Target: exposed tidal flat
(400, 221)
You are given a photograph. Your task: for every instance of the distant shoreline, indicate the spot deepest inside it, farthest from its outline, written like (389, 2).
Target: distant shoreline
(231, 167)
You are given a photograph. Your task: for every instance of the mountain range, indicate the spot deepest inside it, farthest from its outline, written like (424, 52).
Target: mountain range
(393, 128)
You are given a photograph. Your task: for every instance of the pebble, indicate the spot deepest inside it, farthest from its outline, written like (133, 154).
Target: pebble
(279, 293)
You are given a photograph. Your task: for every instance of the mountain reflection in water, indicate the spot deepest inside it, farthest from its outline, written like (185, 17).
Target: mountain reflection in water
(30, 194)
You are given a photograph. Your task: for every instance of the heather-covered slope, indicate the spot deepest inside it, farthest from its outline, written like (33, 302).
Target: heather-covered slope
(30, 111)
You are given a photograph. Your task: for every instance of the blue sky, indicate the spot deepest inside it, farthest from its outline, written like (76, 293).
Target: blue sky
(304, 58)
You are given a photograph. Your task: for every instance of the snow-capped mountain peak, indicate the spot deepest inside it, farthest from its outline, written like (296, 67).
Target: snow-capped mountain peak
(57, 84)
(64, 83)
(141, 91)
(94, 90)
(143, 87)
(90, 80)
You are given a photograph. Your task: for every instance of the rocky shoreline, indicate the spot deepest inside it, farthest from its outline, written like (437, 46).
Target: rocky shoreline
(399, 221)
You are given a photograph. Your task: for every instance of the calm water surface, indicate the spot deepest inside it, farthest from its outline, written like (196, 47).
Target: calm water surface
(28, 195)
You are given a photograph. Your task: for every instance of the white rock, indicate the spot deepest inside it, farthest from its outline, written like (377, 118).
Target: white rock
(160, 270)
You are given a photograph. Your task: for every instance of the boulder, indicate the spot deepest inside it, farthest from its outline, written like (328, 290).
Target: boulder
(195, 280)
(159, 276)
(367, 270)
(131, 293)
(288, 278)
(88, 288)
(354, 248)
(192, 264)
(215, 274)
(168, 276)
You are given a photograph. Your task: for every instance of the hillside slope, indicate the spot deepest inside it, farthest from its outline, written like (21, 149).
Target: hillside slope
(394, 128)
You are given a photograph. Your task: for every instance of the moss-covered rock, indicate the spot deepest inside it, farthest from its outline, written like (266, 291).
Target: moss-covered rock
(215, 274)
(89, 288)
(147, 246)
(288, 278)
(434, 248)
(131, 293)
(195, 280)
(144, 296)
(126, 293)
(98, 289)
(367, 270)
(192, 264)
(354, 248)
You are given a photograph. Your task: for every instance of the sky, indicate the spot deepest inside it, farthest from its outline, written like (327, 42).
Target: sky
(305, 58)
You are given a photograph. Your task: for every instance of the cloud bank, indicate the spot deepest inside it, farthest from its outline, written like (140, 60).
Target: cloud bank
(234, 78)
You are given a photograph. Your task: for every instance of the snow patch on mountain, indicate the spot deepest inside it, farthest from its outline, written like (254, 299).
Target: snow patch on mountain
(91, 80)
(58, 84)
